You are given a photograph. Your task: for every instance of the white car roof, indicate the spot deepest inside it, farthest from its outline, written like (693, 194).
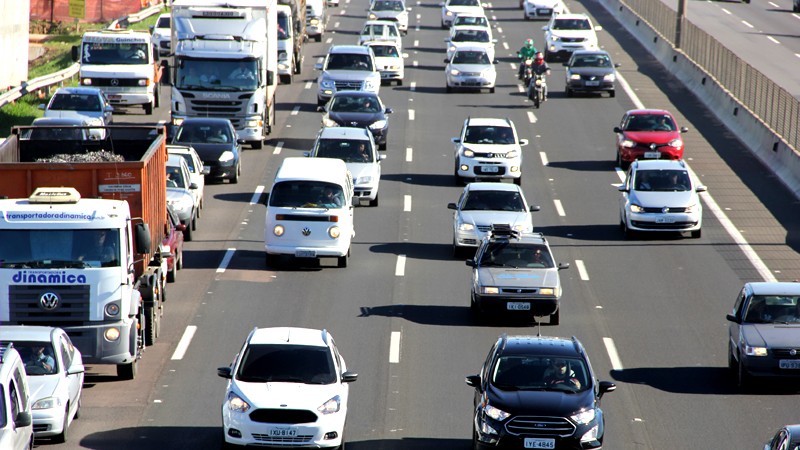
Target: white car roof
(492, 186)
(289, 335)
(659, 164)
(487, 121)
(26, 333)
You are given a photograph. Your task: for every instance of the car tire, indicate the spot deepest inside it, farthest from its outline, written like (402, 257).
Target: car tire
(148, 108)
(235, 178)
(62, 437)
(318, 38)
(342, 261)
(256, 145)
(627, 233)
(570, 93)
(157, 96)
(399, 82)
(382, 146)
(547, 56)
(742, 377)
(555, 318)
(491, 90)
(697, 233)
(194, 221)
(448, 89)
(374, 202)
(128, 371)
(612, 93)
(77, 410)
(187, 234)
(179, 260)
(172, 275)
(286, 79)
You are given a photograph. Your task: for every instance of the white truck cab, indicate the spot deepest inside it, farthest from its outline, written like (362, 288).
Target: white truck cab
(310, 211)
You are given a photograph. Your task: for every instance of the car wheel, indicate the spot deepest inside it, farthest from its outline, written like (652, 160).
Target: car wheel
(256, 145)
(318, 38)
(194, 222)
(62, 437)
(612, 93)
(399, 82)
(547, 56)
(172, 274)
(444, 26)
(697, 233)
(187, 234)
(475, 440)
(518, 181)
(286, 79)
(626, 232)
(619, 159)
(374, 202)
(491, 90)
(148, 108)
(732, 367)
(342, 261)
(382, 146)
(742, 377)
(77, 410)
(157, 96)
(555, 318)
(235, 178)
(179, 260)
(448, 89)
(570, 93)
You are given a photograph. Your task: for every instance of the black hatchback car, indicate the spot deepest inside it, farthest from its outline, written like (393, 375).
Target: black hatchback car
(537, 392)
(216, 143)
(591, 71)
(358, 109)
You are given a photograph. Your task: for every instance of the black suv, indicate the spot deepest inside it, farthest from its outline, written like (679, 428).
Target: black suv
(537, 392)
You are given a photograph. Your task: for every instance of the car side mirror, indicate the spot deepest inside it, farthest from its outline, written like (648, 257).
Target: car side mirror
(617, 130)
(607, 386)
(307, 154)
(473, 380)
(598, 28)
(321, 109)
(455, 140)
(535, 208)
(562, 266)
(206, 170)
(452, 206)
(684, 130)
(388, 111)
(23, 419)
(496, 61)
(494, 41)
(523, 142)
(41, 106)
(701, 189)
(76, 369)
(241, 141)
(349, 377)
(546, 27)
(446, 39)
(180, 227)
(470, 262)
(565, 64)
(318, 66)
(381, 157)
(617, 65)
(224, 372)
(446, 60)
(732, 318)
(193, 186)
(108, 108)
(623, 189)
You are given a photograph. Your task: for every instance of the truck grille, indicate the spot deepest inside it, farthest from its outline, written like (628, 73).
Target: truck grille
(540, 426)
(348, 85)
(231, 109)
(283, 416)
(123, 82)
(72, 308)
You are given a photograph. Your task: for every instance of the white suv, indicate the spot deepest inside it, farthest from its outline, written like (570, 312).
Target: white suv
(565, 33)
(488, 150)
(288, 387)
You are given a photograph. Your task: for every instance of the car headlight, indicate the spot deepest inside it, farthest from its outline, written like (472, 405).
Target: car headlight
(512, 154)
(610, 77)
(236, 403)
(465, 226)
(334, 232)
(278, 230)
(86, 81)
(490, 290)
(554, 38)
(326, 84)
(452, 48)
(283, 65)
(547, 291)
(449, 14)
(495, 413)
(636, 208)
(226, 156)
(378, 124)
(364, 180)
(583, 417)
(328, 122)
(676, 143)
(455, 72)
(252, 123)
(143, 82)
(574, 76)
(47, 403)
(394, 67)
(467, 153)
(95, 121)
(373, 16)
(627, 143)
(331, 406)
(314, 21)
(755, 351)
(282, 56)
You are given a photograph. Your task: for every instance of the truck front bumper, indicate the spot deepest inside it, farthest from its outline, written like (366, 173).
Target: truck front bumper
(96, 348)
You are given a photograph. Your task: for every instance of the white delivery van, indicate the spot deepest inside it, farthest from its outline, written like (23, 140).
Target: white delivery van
(310, 211)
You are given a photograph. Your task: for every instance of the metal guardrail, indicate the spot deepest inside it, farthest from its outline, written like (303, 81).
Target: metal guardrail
(773, 105)
(58, 77)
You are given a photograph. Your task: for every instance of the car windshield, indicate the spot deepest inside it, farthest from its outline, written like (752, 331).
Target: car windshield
(58, 249)
(471, 36)
(489, 135)
(39, 357)
(75, 102)
(662, 180)
(470, 57)
(387, 5)
(283, 25)
(348, 150)
(571, 24)
(204, 134)
(306, 194)
(532, 372)
(493, 201)
(773, 309)
(345, 103)
(175, 177)
(511, 254)
(591, 61)
(287, 364)
(385, 51)
(345, 61)
(470, 20)
(114, 53)
(650, 122)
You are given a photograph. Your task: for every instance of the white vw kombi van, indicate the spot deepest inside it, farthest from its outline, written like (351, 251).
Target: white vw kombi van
(310, 211)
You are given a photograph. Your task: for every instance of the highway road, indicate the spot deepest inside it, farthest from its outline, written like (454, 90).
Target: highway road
(650, 311)
(763, 33)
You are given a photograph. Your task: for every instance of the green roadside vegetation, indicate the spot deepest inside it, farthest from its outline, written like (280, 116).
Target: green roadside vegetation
(57, 56)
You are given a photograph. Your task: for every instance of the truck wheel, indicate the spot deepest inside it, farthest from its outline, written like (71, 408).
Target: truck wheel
(298, 66)
(157, 95)
(179, 260)
(151, 326)
(286, 79)
(127, 371)
(341, 261)
(318, 38)
(148, 108)
(256, 145)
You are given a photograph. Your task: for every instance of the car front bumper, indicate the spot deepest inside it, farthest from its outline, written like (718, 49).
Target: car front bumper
(319, 434)
(531, 306)
(481, 169)
(586, 86)
(665, 221)
(642, 152)
(48, 422)
(501, 439)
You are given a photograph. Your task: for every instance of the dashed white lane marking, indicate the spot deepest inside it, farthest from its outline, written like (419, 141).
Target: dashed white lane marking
(521, 88)
(505, 45)
(532, 117)
(183, 344)
(774, 5)
(499, 30)
(415, 63)
(543, 156)
(329, 40)
(336, 25)
(797, 54)
(400, 267)
(559, 207)
(413, 86)
(278, 148)
(406, 203)
(342, 12)
(616, 363)
(295, 111)
(727, 12)
(409, 154)
(582, 269)
(226, 260)
(256, 194)
(394, 347)
(773, 39)
(796, 16)
(513, 66)
(747, 24)
(308, 84)
(416, 43)
(410, 114)
(419, 16)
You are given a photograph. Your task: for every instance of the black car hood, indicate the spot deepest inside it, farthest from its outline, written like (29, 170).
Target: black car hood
(211, 152)
(357, 119)
(540, 403)
(592, 71)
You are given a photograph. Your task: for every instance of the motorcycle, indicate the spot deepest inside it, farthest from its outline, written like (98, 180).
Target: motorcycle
(536, 89)
(526, 71)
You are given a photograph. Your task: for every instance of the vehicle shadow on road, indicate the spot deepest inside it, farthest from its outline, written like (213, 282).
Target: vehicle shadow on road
(584, 166)
(302, 144)
(420, 251)
(700, 380)
(421, 179)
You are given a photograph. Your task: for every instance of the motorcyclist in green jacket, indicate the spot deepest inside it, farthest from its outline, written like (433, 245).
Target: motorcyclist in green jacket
(528, 51)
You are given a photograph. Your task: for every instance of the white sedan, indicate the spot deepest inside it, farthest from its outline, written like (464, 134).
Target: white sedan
(470, 68)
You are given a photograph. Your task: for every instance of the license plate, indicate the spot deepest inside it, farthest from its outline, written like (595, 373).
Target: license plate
(291, 432)
(520, 306)
(593, 83)
(115, 97)
(789, 364)
(652, 155)
(489, 169)
(539, 443)
(665, 220)
(305, 253)
(545, 12)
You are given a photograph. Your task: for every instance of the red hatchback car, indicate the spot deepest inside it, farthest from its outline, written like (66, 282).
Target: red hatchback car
(648, 134)
(173, 238)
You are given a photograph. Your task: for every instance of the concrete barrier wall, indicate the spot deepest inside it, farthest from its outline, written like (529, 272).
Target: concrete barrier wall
(14, 42)
(765, 145)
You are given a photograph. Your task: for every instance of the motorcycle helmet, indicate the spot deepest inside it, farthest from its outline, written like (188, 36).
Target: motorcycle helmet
(539, 58)
(529, 42)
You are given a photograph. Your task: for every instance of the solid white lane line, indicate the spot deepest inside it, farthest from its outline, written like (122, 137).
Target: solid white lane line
(183, 344)
(616, 363)
(627, 88)
(747, 24)
(411, 114)
(226, 260)
(727, 12)
(278, 148)
(394, 347)
(543, 156)
(308, 85)
(531, 117)
(295, 110)
(413, 86)
(559, 207)
(796, 16)
(406, 203)
(773, 39)
(256, 194)
(400, 267)
(582, 269)
(773, 4)
(409, 154)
